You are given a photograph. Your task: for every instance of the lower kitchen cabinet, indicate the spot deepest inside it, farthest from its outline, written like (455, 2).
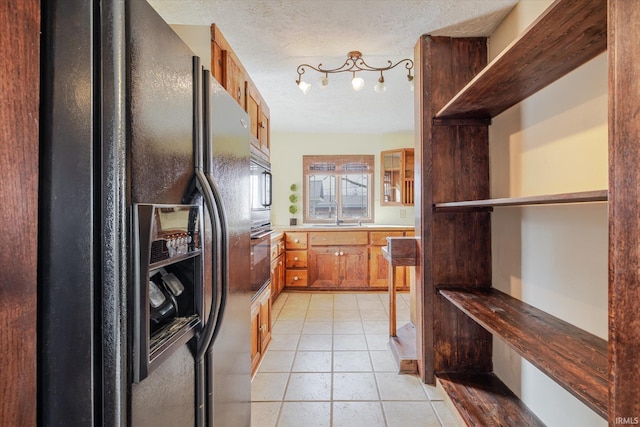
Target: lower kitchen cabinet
(349, 259)
(379, 266)
(277, 265)
(338, 266)
(260, 327)
(277, 277)
(379, 271)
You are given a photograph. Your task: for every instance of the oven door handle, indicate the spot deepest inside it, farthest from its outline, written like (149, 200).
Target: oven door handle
(268, 189)
(261, 235)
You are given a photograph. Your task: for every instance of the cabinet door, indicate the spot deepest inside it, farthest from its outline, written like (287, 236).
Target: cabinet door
(234, 79)
(323, 266)
(280, 274)
(353, 264)
(253, 108)
(379, 270)
(255, 337)
(263, 130)
(217, 63)
(397, 170)
(265, 320)
(275, 286)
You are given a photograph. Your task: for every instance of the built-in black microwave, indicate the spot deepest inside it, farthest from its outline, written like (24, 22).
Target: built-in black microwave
(261, 194)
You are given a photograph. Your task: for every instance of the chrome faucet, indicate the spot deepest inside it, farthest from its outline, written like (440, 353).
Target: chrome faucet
(334, 203)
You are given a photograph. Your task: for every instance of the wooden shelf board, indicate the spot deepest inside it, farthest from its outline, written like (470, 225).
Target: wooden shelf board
(565, 36)
(580, 197)
(572, 357)
(483, 400)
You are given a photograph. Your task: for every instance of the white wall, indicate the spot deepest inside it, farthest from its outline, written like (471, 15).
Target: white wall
(198, 38)
(553, 257)
(287, 150)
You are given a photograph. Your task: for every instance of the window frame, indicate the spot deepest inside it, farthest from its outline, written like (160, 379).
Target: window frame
(339, 160)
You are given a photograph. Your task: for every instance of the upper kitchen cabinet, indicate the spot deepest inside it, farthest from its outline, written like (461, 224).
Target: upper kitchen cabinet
(229, 71)
(397, 177)
(259, 118)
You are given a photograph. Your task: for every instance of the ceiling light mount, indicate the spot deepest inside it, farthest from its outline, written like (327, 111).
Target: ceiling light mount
(353, 64)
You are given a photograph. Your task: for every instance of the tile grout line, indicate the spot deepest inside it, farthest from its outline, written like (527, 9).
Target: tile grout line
(363, 304)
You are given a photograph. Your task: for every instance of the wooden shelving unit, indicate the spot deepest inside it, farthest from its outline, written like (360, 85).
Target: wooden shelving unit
(565, 36)
(573, 358)
(483, 400)
(551, 199)
(456, 109)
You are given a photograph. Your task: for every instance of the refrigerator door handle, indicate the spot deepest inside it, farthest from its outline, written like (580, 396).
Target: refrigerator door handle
(216, 213)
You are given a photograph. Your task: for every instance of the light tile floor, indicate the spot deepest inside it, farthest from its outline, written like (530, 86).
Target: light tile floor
(329, 365)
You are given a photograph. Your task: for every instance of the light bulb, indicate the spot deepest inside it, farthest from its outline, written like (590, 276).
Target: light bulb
(380, 87)
(357, 83)
(323, 82)
(410, 78)
(304, 86)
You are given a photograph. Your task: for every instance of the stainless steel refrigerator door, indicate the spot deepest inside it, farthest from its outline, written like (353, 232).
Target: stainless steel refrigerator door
(160, 142)
(227, 145)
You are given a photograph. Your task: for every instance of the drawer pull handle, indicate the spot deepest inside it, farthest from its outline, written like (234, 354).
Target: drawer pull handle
(336, 254)
(295, 258)
(296, 278)
(263, 328)
(341, 253)
(296, 240)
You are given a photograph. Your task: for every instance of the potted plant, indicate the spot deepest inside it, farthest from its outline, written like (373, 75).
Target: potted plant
(293, 207)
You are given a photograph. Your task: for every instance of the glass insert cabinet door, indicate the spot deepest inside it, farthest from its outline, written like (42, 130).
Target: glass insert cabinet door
(397, 177)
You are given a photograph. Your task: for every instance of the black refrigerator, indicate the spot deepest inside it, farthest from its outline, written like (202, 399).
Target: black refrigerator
(144, 294)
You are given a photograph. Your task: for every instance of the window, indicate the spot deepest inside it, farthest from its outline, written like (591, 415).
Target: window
(338, 185)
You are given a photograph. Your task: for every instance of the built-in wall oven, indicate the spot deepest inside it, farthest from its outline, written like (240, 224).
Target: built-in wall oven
(261, 198)
(261, 195)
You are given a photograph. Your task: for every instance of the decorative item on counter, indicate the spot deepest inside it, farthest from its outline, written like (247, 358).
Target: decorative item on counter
(293, 207)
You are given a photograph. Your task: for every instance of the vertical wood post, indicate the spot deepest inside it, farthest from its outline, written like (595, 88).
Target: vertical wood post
(392, 300)
(624, 211)
(452, 163)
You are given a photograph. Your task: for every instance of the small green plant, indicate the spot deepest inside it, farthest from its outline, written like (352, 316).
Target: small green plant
(293, 207)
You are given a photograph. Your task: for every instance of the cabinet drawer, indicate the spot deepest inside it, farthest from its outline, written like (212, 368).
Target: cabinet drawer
(379, 238)
(296, 259)
(274, 251)
(296, 240)
(296, 278)
(330, 238)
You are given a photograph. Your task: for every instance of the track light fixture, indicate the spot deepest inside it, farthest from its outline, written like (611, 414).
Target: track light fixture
(353, 64)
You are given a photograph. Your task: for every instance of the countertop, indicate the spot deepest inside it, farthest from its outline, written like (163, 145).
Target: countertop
(347, 227)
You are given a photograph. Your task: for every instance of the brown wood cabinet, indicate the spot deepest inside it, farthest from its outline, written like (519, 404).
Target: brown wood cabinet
(258, 118)
(233, 78)
(229, 71)
(338, 266)
(264, 129)
(296, 259)
(458, 98)
(397, 177)
(277, 266)
(338, 259)
(347, 259)
(260, 327)
(378, 265)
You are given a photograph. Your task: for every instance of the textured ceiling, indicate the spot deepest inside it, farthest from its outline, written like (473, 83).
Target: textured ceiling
(272, 37)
